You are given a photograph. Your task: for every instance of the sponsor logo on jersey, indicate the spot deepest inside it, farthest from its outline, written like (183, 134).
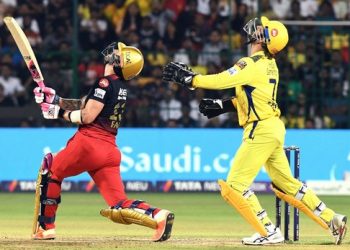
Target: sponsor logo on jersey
(241, 64)
(100, 93)
(232, 71)
(103, 83)
(274, 32)
(122, 94)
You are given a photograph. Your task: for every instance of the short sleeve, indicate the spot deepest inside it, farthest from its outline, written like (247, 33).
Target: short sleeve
(100, 90)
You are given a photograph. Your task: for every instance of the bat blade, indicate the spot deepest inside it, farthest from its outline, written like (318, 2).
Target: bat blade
(25, 49)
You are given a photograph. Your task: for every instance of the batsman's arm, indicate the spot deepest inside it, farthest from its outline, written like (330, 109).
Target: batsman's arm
(241, 73)
(85, 115)
(72, 104)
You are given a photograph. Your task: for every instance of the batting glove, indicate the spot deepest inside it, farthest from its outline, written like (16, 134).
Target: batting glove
(50, 111)
(38, 95)
(179, 73)
(46, 94)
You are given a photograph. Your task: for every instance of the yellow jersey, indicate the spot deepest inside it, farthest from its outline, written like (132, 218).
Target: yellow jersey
(255, 79)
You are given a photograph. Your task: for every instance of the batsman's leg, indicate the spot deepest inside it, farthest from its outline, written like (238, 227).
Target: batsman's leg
(45, 200)
(125, 211)
(140, 213)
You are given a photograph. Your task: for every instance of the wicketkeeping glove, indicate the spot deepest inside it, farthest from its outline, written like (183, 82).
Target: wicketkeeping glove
(214, 107)
(179, 73)
(46, 94)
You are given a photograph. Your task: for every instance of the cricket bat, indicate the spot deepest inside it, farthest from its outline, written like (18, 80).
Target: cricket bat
(25, 49)
(32, 64)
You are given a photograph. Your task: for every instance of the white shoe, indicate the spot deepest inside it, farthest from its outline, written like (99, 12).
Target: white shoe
(338, 228)
(42, 234)
(165, 220)
(274, 237)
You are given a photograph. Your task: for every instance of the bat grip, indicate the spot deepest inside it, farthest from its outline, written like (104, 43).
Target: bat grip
(41, 84)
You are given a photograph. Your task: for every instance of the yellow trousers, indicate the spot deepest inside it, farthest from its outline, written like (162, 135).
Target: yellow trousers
(263, 146)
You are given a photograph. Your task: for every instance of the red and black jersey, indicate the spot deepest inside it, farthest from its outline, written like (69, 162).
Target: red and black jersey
(112, 92)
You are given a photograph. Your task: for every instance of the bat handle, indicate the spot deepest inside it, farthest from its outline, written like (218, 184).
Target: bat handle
(41, 84)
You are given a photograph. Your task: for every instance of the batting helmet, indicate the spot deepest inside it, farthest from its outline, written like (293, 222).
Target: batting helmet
(129, 61)
(272, 33)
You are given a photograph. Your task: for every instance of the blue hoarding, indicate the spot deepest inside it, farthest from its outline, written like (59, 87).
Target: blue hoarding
(175, 154)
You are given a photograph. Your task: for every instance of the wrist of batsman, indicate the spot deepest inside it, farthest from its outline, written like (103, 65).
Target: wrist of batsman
(61, 113)
(75, 116)
(56, 100)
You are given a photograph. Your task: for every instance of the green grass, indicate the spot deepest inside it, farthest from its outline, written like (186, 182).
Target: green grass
(202, 221)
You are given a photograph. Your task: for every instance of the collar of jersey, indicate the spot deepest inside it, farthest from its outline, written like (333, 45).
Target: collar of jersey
(259, 53)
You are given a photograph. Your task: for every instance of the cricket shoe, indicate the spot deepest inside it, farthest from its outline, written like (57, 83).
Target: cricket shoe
(165, 220)
(274, 237)
(42, 234)
(338, 228)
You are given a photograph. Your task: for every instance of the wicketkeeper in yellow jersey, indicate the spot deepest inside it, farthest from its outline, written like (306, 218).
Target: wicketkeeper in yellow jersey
(255, 79)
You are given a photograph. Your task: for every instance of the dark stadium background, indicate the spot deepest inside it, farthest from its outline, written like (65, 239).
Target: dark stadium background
(67, 37)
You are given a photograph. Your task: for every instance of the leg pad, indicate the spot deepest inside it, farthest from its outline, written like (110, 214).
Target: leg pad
(128, 216)
(41, 199)
(236, 200)
(299, 205)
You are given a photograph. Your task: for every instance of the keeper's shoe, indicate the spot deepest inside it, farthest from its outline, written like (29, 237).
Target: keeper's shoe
(338, 228)
(274, 237)
(165, 220)
(43, 234)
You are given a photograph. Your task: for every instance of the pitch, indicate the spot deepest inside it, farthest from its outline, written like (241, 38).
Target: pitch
(202, 221)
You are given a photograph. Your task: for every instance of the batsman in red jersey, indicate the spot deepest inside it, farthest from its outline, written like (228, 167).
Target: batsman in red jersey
(93, 148)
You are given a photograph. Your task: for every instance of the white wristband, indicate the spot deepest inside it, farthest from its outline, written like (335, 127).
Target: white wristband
(75, 116)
